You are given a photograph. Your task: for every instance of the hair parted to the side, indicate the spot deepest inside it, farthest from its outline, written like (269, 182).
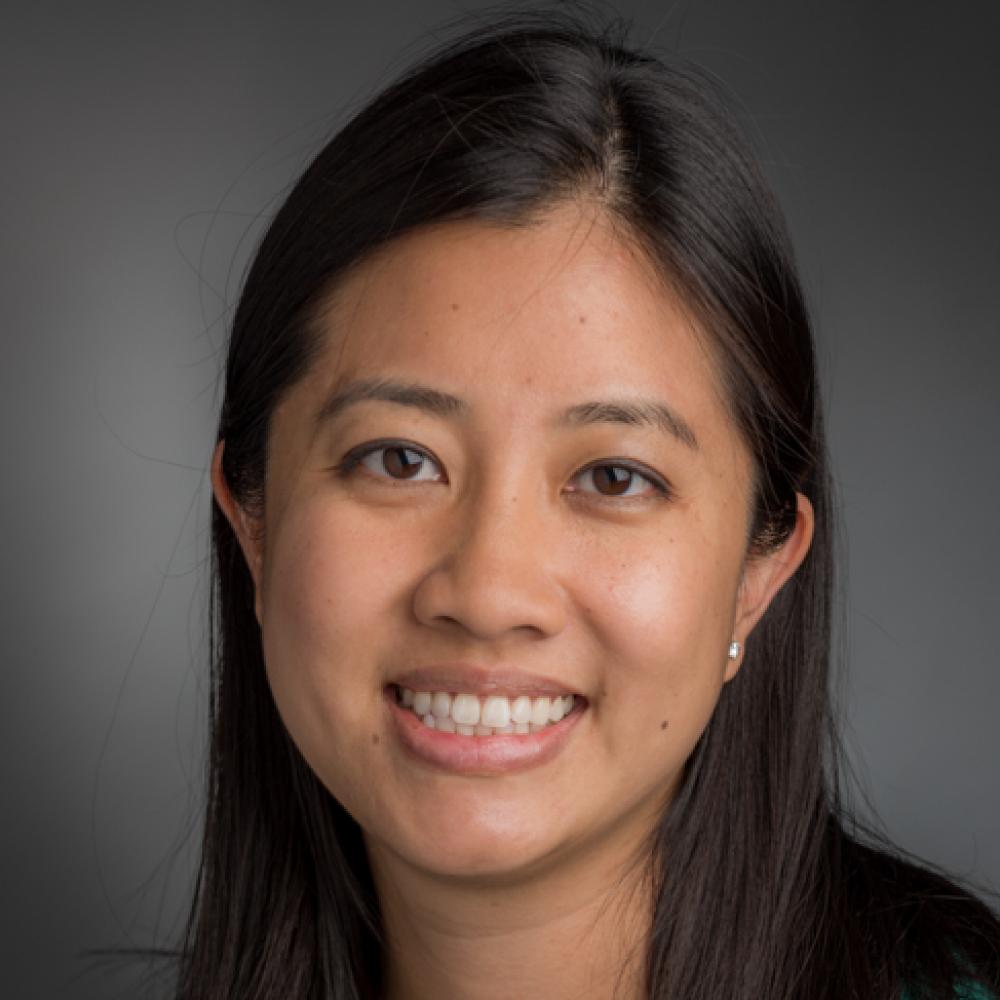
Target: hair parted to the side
(759, 890)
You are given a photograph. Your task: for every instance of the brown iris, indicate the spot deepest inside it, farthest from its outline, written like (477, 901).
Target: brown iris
(614, 476)
(401, 468)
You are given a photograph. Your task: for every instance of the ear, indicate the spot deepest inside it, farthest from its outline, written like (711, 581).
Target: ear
(246, 527)
(764, 575)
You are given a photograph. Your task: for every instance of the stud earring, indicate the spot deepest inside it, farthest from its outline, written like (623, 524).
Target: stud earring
(734, 650)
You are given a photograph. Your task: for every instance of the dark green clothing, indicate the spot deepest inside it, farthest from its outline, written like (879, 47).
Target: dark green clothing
(967, 991)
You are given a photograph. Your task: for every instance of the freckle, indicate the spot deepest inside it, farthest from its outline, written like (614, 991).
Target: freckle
(663, 724)
(375, 737)
(454, 307)
(583, 319)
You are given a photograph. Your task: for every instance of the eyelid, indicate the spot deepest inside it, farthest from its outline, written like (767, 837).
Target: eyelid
(355, 456)
(663, 489)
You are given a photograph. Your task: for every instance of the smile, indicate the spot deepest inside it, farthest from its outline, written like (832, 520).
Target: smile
(440, 738)
(493, 715)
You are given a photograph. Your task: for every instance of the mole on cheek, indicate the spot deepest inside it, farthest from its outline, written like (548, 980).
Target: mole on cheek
(375, 737)
(663, 724)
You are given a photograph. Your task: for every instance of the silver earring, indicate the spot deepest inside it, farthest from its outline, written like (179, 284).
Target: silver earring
(734, 650)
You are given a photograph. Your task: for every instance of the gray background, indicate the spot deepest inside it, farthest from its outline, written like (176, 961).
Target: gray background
(142, 147)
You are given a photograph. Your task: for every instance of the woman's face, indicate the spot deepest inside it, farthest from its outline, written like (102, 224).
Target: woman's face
(496, 546)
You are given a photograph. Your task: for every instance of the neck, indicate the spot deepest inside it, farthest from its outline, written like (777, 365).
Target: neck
(574, 930)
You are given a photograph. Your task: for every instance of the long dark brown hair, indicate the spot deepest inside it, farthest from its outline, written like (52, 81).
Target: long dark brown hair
(763, 888)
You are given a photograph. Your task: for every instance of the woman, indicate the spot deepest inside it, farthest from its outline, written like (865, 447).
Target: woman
(522, 532)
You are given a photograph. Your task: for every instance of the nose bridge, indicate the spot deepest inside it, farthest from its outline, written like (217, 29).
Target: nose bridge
(503, 522)
(496, 573)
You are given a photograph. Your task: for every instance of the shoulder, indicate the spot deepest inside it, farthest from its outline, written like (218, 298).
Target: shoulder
(938, 936)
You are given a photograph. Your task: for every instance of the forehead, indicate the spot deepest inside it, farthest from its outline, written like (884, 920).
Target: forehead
(520, 322)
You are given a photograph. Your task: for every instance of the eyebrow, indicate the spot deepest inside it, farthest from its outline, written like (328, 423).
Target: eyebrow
(634, 412)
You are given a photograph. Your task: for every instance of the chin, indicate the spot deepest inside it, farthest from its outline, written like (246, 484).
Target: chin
(492, 847)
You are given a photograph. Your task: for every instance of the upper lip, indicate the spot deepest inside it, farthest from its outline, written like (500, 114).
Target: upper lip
(472, 678)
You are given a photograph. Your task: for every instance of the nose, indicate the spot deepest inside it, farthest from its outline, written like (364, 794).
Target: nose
(496, 574)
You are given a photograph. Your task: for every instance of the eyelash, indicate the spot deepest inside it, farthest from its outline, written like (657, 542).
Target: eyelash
(349, 463)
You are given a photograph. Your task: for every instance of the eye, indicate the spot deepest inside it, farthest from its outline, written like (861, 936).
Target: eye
(399, 461)
(613, 479)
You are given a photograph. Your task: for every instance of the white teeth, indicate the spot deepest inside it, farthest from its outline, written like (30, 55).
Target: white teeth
(496, 712)
(467, 715)
(567, 705)
(520, 710)
(441, 704)
(540, 711)
(464, 709)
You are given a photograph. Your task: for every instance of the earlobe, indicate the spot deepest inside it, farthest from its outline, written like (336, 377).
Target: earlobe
(244, 526)
(765, 575)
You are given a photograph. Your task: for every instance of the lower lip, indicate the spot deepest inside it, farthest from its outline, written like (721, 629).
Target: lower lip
(458, 754)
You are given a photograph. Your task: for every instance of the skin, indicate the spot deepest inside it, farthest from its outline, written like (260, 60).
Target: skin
(505, 551)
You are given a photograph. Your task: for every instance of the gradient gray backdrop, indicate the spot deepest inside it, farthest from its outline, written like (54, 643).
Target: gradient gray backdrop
(141, 149)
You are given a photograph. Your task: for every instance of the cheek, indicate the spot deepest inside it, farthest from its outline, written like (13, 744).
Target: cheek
(665, 621)
(335, 582)
(326, 597)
